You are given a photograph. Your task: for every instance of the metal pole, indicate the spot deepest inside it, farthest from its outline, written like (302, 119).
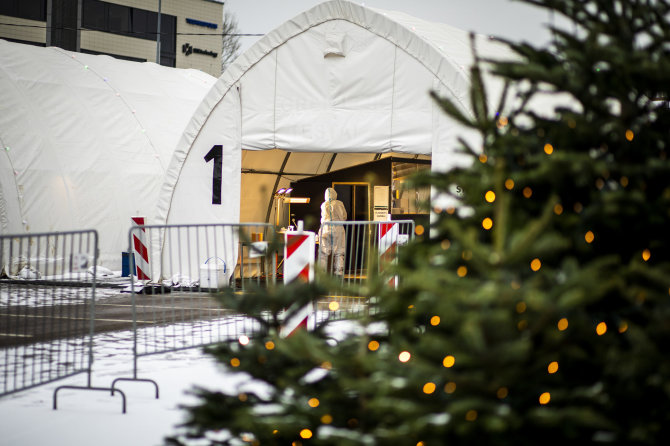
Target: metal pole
(158, 35)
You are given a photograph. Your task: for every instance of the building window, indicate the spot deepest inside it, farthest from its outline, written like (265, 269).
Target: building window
(133, 22)
(118, 20)
(140, 24)
(25, 9)
(168, 40)
(94, 15)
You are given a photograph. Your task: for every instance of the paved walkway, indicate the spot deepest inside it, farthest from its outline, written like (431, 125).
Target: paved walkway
(38, 313)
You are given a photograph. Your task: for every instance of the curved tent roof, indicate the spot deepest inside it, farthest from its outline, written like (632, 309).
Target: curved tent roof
(338, 78)
(87, 140)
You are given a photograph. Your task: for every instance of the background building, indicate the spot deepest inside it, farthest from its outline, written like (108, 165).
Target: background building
(126, 29)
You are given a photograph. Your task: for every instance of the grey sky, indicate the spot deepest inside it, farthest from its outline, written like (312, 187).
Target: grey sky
(505, 18)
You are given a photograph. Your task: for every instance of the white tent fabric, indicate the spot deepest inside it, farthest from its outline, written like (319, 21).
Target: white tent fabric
(338, 78)
(87, 140)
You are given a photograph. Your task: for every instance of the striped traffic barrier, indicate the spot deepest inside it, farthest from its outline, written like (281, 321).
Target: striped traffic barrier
(140, 250)
(299, 249)
(388, 248)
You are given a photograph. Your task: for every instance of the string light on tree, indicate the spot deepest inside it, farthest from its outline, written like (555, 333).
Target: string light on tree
(429, 388)
(509, 184)
(548, 149)
(535, 264)
(589, 237)
(490, 196)
(521, 307)
(552, 367)
(545, 398)
(306, 434)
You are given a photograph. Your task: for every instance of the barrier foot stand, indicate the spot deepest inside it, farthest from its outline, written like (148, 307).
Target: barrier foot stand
(146, 380)
(102, 389)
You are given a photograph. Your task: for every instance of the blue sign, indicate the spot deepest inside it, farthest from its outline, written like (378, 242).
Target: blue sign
(201, 23)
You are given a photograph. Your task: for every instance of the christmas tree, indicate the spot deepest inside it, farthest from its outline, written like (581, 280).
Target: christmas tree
(541, 314)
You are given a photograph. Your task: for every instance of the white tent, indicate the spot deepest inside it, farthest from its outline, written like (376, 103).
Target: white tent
(86, 140)
(339, 78)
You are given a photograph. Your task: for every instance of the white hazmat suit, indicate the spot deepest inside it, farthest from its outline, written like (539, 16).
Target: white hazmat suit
(332, 237)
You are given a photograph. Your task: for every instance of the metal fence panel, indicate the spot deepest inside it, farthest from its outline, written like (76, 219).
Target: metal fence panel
(176, 310)
(352, 251)
(47, 302)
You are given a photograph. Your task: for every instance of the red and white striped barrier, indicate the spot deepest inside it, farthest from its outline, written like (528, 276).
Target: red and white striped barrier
(299, 256)
(388, 248)
(299, 250)
(140, 250)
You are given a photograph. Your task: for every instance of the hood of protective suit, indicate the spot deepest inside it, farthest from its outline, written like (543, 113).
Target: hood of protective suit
(330, 194)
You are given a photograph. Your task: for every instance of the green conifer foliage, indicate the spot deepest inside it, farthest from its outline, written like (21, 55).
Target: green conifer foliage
(539, 316)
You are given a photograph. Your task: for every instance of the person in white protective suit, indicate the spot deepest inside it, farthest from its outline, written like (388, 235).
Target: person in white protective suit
(331, 237)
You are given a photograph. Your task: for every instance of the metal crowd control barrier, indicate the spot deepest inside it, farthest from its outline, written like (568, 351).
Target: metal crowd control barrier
(176, 309)
(47, 309)
(349, 250)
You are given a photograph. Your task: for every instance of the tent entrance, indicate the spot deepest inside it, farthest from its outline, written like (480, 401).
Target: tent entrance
(356, 199)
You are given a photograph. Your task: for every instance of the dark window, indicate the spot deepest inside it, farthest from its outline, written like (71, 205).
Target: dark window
(168, 60)
(139, 24)
(94, 16)
(168, 34)
(134, 22)
(9, 8)
(119, 19)
(152, 25)
(25, 9)
(33, 9)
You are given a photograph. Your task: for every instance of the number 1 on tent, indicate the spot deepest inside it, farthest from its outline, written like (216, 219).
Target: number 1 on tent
(216, 154)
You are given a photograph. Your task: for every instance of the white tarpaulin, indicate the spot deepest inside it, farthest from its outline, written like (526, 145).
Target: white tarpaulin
(86, 140)
(338, 78)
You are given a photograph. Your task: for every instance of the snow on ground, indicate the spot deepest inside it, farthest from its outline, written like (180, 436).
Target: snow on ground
(86, 417)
